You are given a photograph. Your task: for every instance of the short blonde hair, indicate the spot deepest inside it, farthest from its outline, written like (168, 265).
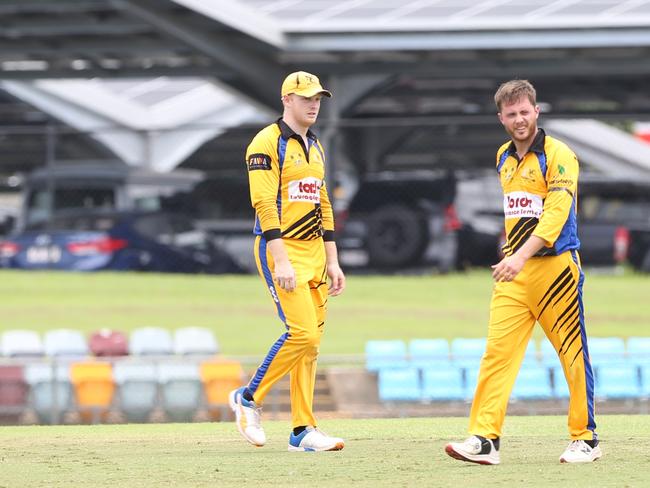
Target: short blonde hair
(513, 91)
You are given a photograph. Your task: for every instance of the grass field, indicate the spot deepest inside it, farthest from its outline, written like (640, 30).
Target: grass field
(373, 307)
(378, 453)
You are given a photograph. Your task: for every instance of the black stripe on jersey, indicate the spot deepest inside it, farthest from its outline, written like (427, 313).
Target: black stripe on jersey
(308, 216)
(305, 227)
(523, 233)
(521, 226)
(314, 232)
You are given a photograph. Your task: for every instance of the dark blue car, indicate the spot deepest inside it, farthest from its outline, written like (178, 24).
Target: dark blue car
(120, 241)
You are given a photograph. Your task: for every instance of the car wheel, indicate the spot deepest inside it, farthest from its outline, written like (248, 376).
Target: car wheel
(397, 236)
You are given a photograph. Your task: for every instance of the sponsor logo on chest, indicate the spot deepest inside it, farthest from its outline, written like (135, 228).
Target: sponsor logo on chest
(519, 204)
(305, 190)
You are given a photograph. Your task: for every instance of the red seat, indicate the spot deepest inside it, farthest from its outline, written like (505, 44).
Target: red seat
(107, 342)
(13, 393)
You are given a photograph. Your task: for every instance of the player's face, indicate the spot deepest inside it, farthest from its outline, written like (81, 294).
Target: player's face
(304, 110)
(520, 120)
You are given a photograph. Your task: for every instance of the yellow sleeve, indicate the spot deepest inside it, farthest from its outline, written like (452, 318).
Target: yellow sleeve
(264, 178)
(562, 183)
(326, 207)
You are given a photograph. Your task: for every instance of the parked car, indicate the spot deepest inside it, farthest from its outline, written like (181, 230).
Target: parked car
(98, 240)
(614, 221)
(400, 219)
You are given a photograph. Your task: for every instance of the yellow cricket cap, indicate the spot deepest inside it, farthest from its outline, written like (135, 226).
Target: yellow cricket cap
(303, 84)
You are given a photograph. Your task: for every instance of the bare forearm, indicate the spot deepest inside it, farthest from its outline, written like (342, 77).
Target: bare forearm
(331, 253)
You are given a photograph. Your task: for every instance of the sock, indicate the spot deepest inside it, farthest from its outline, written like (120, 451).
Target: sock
(485, 445)
(299, 430)
(592, 443)
(247, 395)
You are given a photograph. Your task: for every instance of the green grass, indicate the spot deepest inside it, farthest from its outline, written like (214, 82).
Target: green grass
(240, 311)
(379, 452)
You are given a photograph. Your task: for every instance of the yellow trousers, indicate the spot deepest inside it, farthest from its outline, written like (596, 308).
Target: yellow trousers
(303, 312)
(548, 290)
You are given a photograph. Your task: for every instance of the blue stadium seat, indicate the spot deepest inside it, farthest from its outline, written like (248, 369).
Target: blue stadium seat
(533, 383)
(560, 387)
(385, 354)
(530, 357)
(151, 341)
(428, 353)
(467, 353)
(65, 343)
(638, 350)
(21, 343)
(50, 398)
(548, 354)
(645, 380)
(137, 384)
(443, 384)
(195, 340)
(618, 381)
(399, 384)
(181, 390)
(606, 350)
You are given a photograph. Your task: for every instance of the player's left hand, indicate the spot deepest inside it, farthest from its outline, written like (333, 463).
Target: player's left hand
(337, 280)
(507, 268)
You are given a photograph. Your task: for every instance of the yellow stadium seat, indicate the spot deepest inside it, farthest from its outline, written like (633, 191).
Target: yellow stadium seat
(94, 388)
(219, 378)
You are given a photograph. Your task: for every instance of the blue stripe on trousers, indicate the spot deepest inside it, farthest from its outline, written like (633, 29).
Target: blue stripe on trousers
(268, 277)
(589, 373)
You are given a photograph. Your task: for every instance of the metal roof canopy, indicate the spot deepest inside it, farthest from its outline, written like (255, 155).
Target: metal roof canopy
(400, 67)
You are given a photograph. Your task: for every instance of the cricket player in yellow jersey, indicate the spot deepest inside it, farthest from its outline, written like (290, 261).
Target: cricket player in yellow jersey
(295, 253)
(538, 280)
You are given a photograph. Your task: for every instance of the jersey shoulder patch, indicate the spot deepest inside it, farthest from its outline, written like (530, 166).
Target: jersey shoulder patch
(259, 161)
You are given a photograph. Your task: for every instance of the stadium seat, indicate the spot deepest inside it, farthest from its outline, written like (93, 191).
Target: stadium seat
(13, 393)
(21, 343)
(385, 354)
(94, 388)
(470, 380)
(108, 343)
(530, 357)
(532, 383)
(428, 353)
(219, 378)
(467, 353)
(137, 389)
(606, 350)
(560, 387)
(548, 354)
(618, 381)
(399, 384)
(638, 350)
(180, 390)
(151, 341)
(443, 384)
(65, 343)
(645, 380)
(50, 391)
(195, 340)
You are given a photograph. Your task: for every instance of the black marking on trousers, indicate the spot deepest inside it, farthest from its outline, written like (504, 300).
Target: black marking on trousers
(567, 281)
(321, 324)
(576, 356)
(574, 310)
(572, 332)
(570, 306)
(557, 280)
(318, 285)
(562, 295)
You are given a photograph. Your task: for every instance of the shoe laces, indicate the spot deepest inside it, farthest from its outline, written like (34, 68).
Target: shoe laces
(579, 445)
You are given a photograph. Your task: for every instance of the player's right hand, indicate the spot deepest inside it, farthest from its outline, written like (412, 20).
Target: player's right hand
(285, 276)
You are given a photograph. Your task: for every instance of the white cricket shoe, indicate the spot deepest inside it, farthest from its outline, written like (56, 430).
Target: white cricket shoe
(581, 452)
(247, 417)
(312, 439)
(474, 449)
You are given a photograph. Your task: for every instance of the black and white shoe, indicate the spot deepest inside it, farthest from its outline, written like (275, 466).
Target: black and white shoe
(581, 452)
(475, 449)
